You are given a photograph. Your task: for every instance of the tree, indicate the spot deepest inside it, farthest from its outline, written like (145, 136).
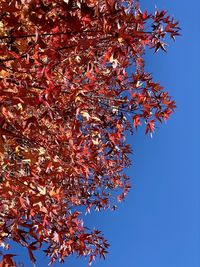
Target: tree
(73, 84)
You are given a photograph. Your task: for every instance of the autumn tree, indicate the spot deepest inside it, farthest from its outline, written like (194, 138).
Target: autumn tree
(72, 84)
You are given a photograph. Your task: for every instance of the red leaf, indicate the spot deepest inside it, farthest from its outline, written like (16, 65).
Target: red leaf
(30, 251)
(150, 126)
(7, 260)
(136, 121)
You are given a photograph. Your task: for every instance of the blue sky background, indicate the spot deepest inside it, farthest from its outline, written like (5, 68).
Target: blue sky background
(158, 225)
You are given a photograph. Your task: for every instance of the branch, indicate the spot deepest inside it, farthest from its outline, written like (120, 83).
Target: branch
(45, 34)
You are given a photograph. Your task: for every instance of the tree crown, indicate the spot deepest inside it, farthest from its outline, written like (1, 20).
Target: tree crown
(72, 83)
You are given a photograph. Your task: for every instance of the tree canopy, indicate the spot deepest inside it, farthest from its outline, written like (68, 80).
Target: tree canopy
(72, 85)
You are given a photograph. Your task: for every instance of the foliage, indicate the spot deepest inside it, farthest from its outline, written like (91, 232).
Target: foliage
(72, 84)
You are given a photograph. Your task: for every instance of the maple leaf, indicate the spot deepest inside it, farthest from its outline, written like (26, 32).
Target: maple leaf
(7, 260)
(150, 126)
(136, 121)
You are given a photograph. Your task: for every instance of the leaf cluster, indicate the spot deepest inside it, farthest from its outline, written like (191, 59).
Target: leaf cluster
(72, 84)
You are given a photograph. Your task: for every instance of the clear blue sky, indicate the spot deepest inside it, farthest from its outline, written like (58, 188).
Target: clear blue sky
(158, 225)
